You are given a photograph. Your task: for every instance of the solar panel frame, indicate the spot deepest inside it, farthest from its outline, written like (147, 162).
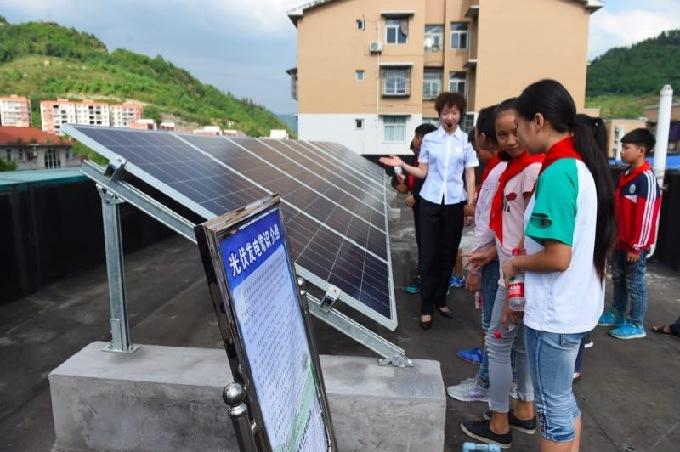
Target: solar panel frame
(388, 321)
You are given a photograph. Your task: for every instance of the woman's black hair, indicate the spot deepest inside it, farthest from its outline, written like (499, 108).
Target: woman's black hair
(597, 128)
(555, 104)
(506, 105)
(486, 123)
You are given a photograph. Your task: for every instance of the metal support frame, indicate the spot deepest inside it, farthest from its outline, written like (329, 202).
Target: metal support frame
(234, 396)
(120, 331)
(117, 191)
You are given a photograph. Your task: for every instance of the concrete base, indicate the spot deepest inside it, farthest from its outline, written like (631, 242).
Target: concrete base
(170, 398)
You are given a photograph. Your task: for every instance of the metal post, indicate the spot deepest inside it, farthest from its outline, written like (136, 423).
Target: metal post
(619, 132)
(663, 126)
(120, 334)
(234, 396)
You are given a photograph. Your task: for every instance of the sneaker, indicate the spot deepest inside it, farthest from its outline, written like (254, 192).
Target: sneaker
(456, 282)
(516, 423)
(468, 390)
(610, 318)
(481, 431)
(413, 288)
(628, 331)
(471, 355)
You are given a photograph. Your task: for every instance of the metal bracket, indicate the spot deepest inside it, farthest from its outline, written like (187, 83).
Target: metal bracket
(332, 294)
(114, 169)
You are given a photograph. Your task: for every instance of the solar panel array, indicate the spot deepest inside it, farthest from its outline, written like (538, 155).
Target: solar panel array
(333, 201)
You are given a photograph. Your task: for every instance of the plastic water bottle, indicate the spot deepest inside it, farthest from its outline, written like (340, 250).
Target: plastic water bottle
(398, 171)
(516, 298)
(471, 447)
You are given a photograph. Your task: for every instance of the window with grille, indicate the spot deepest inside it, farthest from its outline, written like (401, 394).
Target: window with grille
(396, 81)
(52, 159)
(432, 83)
(434, 37)
(395, 128)
(459, 35)
(458, 82)
(396, 30)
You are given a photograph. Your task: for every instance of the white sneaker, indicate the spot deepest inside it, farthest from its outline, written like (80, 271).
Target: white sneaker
(468, 390)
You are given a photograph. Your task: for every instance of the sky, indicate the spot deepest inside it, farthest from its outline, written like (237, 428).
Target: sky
(245, 46)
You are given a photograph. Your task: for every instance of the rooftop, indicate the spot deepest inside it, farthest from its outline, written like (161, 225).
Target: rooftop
(628, 393)
(13, 181)
(27, 136)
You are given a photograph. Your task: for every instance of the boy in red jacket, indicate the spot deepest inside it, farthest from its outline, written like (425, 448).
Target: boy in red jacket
(638, 198)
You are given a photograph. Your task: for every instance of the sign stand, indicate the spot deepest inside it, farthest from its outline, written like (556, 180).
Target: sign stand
(264, 322)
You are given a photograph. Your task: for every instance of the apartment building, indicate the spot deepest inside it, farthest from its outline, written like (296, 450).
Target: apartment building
(54, 113)
(15, 111)
(368, 71)
(126, 114)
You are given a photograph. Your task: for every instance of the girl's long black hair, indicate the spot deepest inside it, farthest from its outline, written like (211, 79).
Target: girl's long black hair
(555, 104)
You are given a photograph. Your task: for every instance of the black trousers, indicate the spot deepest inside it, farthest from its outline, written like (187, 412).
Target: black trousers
(441, 228)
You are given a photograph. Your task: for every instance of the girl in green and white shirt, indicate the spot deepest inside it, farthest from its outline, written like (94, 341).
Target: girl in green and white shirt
(570, 230)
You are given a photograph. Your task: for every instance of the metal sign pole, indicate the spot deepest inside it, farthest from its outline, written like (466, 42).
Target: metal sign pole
(120, 334)
(235, 397)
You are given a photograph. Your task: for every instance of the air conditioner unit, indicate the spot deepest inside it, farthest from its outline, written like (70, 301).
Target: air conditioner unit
(376, 47)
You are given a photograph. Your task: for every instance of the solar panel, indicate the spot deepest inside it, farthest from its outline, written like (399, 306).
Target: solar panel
(337, 225)
(339, 152)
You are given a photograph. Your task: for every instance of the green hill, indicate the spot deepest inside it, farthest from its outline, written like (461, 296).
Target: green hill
(624, 80)
(45, 60)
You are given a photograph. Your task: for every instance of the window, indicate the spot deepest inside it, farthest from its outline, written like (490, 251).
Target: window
(397, 30)
(468, 122)
(395, 128)
(52, 159)
(359, 74)
(396, 81)
(433, 121)
(8, 155)
(434, 37)
(361, 25)
(459, 35)
(22, 155)
(457, 82)
(359, 123)
(432, 83)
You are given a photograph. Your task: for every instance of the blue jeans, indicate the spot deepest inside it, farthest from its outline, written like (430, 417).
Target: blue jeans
(489, 287)
(629, 282)
(551, 362)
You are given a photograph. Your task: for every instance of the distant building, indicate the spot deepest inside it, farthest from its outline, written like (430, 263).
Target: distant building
(122, 115)
(376, 79)
(278, 134)
(54, 113)
(208, 130)
(144, 124)
(15, 111)
(168, 126)
(652, 114)
(233, 133)
(31, 148)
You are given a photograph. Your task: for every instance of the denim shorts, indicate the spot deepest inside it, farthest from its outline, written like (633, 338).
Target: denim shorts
(552, 357)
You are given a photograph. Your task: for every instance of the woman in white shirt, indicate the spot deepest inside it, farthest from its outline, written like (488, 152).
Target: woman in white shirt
(446, 200)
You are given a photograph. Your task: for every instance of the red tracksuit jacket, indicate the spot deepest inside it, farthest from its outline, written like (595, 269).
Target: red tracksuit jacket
(638, 199)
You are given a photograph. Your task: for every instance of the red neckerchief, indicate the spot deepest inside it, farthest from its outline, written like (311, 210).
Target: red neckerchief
(632, 174)
(515, 166)
(563, 149)
(491, 164)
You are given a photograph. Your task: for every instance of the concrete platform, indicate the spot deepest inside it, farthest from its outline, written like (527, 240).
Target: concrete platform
(170, 398)
(628, 394)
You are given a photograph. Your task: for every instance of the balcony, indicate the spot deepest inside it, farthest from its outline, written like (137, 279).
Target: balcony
(473, 9)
